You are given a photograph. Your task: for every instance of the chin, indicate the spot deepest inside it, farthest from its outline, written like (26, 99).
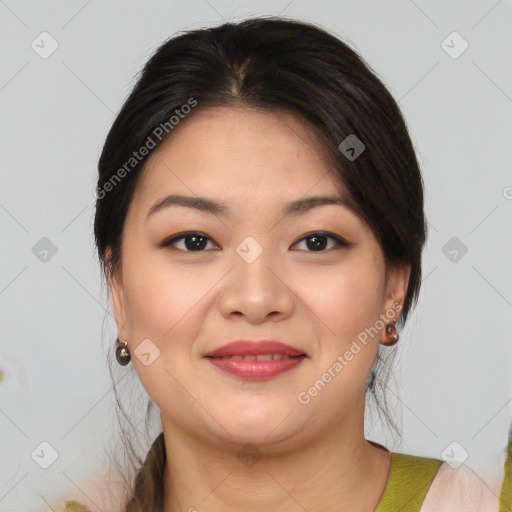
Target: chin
(260, 429)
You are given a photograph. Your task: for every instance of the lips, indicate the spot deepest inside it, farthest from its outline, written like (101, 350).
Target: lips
(256, 360)
(247, 349)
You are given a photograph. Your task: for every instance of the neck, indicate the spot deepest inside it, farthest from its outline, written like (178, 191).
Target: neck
(339, 470)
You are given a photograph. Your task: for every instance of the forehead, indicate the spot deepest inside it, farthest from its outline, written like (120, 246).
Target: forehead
(240, 152)
(241, 129)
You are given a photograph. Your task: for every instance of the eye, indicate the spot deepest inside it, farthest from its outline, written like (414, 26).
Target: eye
(194, 241)
(318, 241)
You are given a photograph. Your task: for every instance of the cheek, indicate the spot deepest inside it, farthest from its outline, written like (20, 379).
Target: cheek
(346, 300)
(161, 304)
(151, 299)
(344, 311)
(166, 302)
(158, 294)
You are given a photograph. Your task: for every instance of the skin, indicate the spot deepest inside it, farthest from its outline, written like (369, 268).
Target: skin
(314, 456)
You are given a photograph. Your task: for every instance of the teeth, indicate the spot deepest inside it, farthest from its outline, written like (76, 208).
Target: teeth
(262, 357)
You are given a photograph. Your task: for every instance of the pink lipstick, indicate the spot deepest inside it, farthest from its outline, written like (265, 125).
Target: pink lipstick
(255, 360)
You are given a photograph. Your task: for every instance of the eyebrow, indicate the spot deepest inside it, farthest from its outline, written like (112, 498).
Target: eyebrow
(294, 208)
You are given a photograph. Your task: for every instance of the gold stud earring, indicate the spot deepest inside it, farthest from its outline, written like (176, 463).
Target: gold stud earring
(391, 329)
(122, 353)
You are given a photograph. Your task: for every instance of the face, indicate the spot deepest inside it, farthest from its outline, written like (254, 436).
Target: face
(310, 278)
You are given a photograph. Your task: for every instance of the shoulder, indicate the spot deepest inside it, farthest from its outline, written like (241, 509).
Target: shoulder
(459, 489)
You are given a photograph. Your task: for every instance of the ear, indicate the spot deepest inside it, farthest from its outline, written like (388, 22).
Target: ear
(394, 296)
(115, 285)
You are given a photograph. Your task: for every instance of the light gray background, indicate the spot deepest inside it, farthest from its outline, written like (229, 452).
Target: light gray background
(455, 354)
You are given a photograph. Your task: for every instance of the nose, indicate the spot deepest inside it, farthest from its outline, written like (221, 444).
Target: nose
(257, 288)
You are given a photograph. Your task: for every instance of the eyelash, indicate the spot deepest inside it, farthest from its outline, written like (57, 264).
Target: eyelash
(340, 243)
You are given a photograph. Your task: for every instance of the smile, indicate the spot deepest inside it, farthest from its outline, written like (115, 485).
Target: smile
(256, 367)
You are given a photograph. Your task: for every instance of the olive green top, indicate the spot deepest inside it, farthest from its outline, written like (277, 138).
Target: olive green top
(408, 482)
(410, 478)
(505, 502)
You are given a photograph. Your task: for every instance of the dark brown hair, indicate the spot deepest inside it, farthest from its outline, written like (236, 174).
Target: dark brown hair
(271, 63)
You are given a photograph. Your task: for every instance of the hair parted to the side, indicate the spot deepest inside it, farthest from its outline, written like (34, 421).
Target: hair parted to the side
(270, 64)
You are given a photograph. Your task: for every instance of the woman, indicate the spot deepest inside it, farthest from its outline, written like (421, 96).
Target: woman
(260, 223)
